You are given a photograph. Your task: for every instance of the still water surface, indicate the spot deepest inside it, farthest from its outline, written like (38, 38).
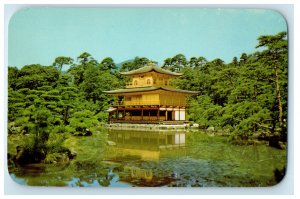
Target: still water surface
(174, 159)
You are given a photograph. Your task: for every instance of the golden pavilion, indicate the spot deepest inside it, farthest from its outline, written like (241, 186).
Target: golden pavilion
(149, 97)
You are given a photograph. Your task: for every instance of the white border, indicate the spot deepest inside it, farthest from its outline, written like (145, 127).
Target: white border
(11, 187)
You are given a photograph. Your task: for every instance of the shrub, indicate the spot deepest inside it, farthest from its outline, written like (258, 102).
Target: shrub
(82, 121)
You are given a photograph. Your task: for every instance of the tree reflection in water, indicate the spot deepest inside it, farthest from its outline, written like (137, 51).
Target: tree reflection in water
(158, 159)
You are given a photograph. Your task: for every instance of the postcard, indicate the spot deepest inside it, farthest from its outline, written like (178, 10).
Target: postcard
(147, 97)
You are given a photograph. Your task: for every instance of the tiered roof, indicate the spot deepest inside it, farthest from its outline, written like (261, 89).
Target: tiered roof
(149, 68)
(146, 69)
(148, 88)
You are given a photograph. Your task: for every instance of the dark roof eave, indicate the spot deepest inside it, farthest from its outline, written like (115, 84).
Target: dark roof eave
(147, 69)
(147, 89)
(179, 90)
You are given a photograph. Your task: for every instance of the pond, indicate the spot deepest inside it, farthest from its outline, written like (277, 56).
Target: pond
(147, 159)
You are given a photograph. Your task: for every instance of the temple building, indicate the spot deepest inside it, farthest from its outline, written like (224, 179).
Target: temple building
(149, 98)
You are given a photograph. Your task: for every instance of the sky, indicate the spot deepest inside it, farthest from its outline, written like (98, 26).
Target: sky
(39, 35)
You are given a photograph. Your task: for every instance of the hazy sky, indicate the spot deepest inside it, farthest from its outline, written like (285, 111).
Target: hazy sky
(39, 35)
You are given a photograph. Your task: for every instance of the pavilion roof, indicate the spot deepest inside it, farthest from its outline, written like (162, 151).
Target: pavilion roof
(149, 68)
(147, 89)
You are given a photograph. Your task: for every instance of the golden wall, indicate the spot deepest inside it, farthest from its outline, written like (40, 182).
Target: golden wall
(150, 79)
(156, 98)
(172, 99)
(142, 99)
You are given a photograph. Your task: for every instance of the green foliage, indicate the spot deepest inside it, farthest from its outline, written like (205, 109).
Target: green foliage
(34, 76)
(176, 63)
(204, 112)
(108, 64)
(55, 143)
(13, 73)
(274, 58)
(245, 96)
(197, 62)
(102, 117)
(84, 58)
(137, 63)
(61, 61)
(46, 104)
(81, 121)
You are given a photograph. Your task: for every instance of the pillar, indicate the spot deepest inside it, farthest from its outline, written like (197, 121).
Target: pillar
(166, 115)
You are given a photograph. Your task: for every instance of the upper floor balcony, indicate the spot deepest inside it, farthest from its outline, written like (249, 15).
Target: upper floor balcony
(149, 82)
(167, 102)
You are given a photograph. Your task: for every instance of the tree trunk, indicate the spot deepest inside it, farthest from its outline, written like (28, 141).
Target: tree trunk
(255, 92)
(66, 115)
(278, 96)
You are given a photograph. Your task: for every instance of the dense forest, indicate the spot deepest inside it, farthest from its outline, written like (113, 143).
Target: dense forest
(245, 97)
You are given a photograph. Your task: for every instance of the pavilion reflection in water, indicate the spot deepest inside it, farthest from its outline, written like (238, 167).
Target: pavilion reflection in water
(147, 145)
(144, 147)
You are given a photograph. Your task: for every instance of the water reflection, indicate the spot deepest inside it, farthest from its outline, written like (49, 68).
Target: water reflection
(146, 145)
(140, 152)
(131, 158)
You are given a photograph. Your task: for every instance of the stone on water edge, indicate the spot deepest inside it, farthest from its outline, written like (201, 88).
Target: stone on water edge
(211, 128)
(111, 143)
